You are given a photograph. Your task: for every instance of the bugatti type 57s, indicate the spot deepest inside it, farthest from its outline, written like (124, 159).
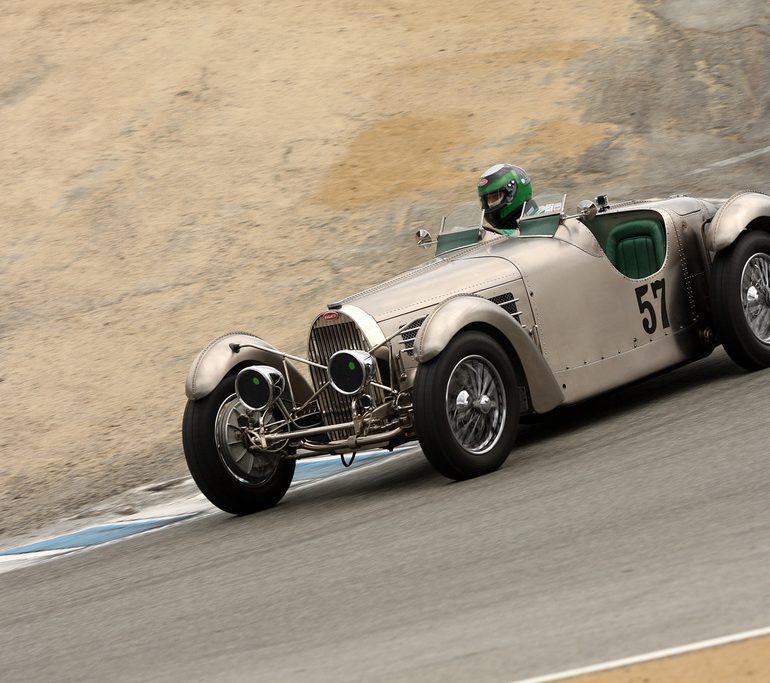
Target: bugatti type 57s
(494, 327)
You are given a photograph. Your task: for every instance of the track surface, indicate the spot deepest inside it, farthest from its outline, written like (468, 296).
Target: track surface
(630, 523)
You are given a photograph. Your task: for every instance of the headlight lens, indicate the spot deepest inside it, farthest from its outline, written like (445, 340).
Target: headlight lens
(258, 386)
(350, 372)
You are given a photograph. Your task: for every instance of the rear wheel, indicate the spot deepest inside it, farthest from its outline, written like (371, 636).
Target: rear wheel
(740, 299)
(233, 474)
(466, 407)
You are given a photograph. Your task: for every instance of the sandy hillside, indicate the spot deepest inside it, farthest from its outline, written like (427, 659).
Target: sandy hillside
(174, 170)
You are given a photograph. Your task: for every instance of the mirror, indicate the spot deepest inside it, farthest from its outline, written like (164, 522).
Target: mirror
(424, 239)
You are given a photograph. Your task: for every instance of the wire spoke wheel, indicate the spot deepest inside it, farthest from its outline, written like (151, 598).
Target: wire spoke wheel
(755, 296)
(466, 406)
(475, 404)
(740, 299)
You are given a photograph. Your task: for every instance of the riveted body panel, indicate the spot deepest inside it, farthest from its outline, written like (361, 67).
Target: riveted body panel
(460, 312)
(589, 312)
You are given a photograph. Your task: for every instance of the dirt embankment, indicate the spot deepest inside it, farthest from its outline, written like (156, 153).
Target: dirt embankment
(174, 170)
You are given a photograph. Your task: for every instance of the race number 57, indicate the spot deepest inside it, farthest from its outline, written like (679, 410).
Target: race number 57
(646, 307)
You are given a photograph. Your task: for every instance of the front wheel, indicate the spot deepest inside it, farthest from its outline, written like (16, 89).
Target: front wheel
(466, 407)
(230, 472)
(740, 299)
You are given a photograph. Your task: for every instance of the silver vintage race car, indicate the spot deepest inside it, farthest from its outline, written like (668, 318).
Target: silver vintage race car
(494, 327)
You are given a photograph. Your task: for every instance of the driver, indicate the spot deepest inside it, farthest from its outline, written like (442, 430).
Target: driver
(504, 191)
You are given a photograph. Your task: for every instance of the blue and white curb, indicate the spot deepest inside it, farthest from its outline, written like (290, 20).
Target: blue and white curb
(329, 465)
(194, 505)
(95, 535)
(31, 553)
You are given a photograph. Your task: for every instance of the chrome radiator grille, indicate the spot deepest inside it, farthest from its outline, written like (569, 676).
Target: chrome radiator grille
(328, 337)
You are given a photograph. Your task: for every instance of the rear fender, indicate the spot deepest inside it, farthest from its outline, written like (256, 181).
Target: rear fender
(214, 362)
(734, 216)
(463, 311)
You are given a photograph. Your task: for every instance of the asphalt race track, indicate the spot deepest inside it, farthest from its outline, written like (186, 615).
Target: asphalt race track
(627, 524)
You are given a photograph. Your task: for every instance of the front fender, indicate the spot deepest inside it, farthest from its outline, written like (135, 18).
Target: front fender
(213, 363)
(461, 311)
(733, 216)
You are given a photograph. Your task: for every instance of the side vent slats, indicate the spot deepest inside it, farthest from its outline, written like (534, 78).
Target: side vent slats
(409, 334)
(507, 302)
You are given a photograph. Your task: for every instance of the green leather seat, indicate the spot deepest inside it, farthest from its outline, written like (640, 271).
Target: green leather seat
(637, 248)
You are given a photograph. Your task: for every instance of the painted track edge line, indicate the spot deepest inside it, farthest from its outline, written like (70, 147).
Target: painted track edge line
(648, 657)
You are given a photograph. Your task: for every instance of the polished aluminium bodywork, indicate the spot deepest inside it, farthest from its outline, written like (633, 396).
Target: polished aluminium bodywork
(734, 216)
(217, 359)
(572, 323)
(460, 312)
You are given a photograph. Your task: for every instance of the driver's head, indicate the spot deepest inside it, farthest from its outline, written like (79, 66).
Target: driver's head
(503, 190)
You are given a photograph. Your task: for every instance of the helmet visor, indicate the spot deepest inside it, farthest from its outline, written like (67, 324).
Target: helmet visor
(494, 199)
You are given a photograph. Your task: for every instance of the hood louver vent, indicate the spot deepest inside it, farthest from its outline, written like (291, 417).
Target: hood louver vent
(508, 303)
(409, 334)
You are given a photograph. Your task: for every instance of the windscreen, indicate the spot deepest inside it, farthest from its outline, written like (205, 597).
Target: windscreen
(545, 202)
(466, 216)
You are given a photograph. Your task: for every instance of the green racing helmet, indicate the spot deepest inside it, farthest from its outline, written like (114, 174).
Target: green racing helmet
(503, 190)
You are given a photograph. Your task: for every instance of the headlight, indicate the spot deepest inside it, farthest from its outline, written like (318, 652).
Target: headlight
(258, 386)
(350, 372)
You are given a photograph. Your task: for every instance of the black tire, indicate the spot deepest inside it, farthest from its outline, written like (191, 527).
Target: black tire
(729, 300)
(437, 401)
(238, 495)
